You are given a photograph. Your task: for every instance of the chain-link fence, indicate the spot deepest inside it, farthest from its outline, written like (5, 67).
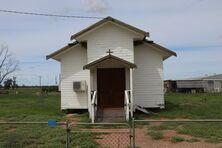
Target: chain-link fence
(105, 135)
(177, 133)
(137, 133)
(64, 134)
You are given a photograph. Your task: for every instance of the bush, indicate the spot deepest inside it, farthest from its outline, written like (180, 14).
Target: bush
(47, 89)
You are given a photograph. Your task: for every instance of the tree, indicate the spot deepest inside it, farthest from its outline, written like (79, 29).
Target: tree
(8, 64)
(8, 83)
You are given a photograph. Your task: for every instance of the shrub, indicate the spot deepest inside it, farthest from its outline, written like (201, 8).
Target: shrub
(46, 89)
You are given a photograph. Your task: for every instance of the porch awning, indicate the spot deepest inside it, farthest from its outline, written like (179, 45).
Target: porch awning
(108, 62)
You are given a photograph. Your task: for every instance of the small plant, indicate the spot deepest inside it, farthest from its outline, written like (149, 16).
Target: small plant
(175, 139)
(156, 135)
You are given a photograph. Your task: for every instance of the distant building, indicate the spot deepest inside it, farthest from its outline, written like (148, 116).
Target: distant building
(210, 84)
(170, 86)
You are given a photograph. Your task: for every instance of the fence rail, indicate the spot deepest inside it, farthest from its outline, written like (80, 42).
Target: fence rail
(142, 133)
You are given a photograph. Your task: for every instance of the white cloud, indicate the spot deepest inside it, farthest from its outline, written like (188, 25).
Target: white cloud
(95, 5)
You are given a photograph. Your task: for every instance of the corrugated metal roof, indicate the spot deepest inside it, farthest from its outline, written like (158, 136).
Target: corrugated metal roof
(208, 77)
(213, 77)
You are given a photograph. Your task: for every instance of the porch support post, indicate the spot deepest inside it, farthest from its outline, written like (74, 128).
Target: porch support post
(89, 94)
(131, 92)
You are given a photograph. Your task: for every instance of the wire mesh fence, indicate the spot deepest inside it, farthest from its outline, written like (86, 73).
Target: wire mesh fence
(105, 135)
(137, 133)
(64, 134)
(177, 133)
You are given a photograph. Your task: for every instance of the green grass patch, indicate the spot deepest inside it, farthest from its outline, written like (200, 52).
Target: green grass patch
(210, 131)
(84, 140)
(28, 105)
(192, 106)
(32, 136)
(156, 135)
(176, 139)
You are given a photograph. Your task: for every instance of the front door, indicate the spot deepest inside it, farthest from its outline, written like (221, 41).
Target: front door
(110, 87)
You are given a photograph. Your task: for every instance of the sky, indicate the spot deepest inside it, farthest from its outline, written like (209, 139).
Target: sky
(191, 28)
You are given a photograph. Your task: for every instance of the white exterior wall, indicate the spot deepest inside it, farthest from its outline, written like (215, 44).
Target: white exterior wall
(110, 36)
(217, 86)
(72, 63)
(148, 77)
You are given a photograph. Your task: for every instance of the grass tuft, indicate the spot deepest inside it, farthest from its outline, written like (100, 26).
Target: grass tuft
(156, 135)
(176, 139)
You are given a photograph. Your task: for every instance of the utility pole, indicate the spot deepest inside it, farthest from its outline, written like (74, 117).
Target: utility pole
(56, 80)
(0, 78)
(40, 81)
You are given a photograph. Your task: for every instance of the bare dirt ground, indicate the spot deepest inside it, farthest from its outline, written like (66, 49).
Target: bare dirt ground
(144, 141)
(119, 138)
(112, 138)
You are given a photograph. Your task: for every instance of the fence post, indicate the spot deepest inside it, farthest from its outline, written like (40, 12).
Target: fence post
(130, 132)
(67, 134)
(134, 138)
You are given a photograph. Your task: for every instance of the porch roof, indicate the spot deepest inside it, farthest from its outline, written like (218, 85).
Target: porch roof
(109, 59)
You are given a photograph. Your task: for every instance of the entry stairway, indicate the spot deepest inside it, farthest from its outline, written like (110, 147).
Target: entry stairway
(110, 115)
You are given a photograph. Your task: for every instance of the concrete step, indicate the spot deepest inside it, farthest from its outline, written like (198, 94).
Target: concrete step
(108, 120)
(110, 115)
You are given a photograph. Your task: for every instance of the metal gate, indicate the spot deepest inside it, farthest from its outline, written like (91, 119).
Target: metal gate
(105, 135)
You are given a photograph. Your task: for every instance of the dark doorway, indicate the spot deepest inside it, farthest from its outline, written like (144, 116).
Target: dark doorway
(110, 87)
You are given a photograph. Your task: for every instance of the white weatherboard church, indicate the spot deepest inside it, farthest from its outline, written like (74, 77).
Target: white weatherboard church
(111, 69)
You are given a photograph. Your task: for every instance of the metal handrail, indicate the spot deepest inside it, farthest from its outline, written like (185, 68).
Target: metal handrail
(93, 97)
(93, 105)
(127, 104)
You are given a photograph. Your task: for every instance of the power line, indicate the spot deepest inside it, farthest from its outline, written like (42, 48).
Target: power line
(50, 15)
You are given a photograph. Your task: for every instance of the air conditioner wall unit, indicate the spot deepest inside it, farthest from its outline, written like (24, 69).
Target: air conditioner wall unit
(79, 86)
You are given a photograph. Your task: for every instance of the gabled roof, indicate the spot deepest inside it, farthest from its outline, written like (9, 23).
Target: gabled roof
(61, 50)
(107, 19)
(110, 19)
(107, 58)
(160, 47)
(157, 46)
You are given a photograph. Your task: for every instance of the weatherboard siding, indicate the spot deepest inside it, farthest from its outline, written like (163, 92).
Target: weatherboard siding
(112, 37)
(148, 77)
(72, 63)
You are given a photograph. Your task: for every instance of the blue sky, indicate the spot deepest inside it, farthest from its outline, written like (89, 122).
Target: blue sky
(192, 28)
